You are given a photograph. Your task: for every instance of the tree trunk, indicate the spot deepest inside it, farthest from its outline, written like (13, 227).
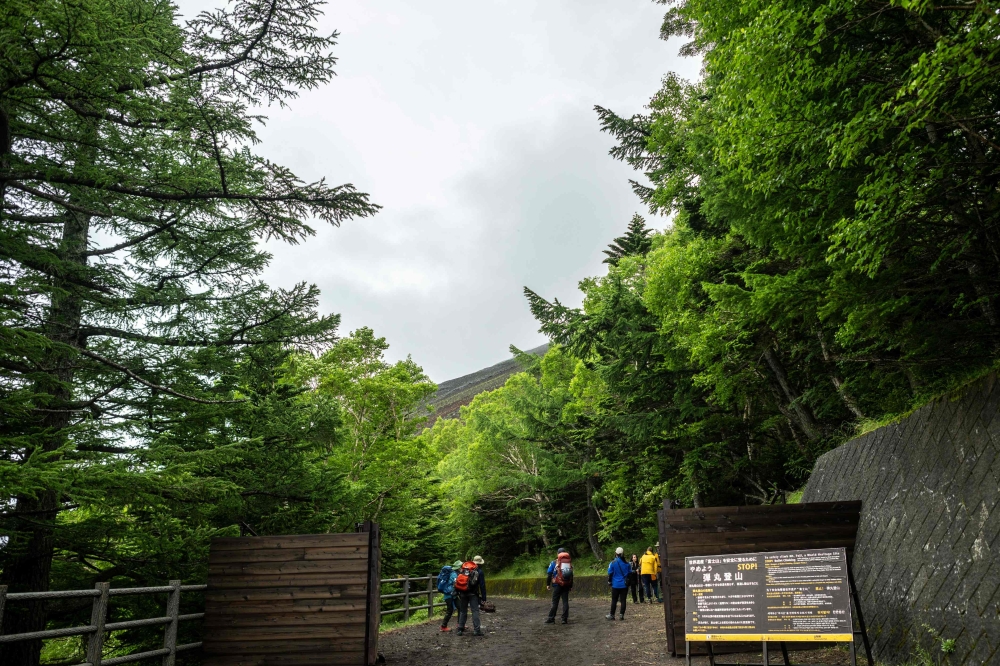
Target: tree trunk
(837, 382)
(541, 522)
(595, 546)
(803, 415)
(28, 560)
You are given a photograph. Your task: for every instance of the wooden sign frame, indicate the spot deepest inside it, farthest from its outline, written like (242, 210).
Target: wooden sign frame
(849, 603)
(741, 529)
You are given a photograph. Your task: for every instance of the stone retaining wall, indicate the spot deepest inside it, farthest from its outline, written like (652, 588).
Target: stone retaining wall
(928, 550)
(583, 586)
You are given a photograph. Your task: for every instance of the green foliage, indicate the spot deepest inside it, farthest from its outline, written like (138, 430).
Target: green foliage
(831, 260)
(154, 392)
(517, 469)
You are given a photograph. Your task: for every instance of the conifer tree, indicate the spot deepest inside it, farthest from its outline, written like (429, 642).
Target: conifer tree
(636, 241)
(132, 208)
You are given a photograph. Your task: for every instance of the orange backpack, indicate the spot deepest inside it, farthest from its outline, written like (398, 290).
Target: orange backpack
(468, 577)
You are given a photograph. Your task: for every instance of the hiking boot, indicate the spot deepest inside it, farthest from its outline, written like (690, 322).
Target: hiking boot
(459, 631)
(621, 617)
(443, 628)
(478, 632)
(609, 616)
(550, 620)
(565, 621)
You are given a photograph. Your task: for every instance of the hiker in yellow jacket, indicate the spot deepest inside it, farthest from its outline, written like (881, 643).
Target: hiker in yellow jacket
(649, 571)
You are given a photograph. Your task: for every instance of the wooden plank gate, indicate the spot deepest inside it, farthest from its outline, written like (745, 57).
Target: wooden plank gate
(307, 600)
(726, 530)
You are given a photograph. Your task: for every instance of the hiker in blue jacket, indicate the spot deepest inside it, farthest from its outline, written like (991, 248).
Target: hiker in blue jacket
(448, 585)
(618, 572)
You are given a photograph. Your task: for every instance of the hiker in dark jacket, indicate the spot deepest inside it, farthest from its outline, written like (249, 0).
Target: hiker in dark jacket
(618, 572)
(633, 579)
(555, 581)
(471, 598)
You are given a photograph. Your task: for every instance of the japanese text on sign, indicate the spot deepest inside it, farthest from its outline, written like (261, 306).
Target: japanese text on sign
(793, 595)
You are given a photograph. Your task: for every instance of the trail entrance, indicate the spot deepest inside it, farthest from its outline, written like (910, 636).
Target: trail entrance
(517, 636)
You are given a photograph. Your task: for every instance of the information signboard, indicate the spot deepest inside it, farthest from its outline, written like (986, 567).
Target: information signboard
(792, 595)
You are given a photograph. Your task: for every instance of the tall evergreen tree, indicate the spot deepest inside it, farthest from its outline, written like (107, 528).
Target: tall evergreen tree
(132, 208)
(636, 241)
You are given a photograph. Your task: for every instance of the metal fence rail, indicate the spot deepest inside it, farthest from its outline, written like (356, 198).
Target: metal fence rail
(98, 627)
(405, 595)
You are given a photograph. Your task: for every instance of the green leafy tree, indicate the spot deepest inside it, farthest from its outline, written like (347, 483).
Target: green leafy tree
(388, 472)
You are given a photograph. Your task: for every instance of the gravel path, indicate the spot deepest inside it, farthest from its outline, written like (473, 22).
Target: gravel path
(517, 636)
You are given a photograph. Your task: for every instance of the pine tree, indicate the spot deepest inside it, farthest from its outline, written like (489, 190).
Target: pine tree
(132, 208)
(636, 241)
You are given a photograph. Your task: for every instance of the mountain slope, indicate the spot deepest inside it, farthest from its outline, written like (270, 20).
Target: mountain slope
(454, 393)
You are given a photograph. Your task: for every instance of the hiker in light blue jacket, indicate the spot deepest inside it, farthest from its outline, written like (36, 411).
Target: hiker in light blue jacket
(618, 572)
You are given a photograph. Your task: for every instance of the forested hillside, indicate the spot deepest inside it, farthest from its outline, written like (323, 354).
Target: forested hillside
(825, 254)
(820, 252)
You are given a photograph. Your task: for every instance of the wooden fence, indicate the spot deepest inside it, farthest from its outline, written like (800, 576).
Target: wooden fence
(98, 628)
(293, 600)
(743, 529)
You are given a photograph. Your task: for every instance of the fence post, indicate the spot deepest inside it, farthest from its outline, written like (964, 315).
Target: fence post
(3, 601)
(98, 614)
(430, 596)
(406, 598)
(170, 630)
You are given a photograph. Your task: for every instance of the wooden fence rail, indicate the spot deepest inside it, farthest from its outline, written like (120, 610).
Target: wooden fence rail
(408, 592)
(98, 627)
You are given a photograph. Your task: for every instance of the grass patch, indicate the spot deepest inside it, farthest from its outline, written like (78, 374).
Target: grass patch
(795, 497)
(534, 566)
(417, 617)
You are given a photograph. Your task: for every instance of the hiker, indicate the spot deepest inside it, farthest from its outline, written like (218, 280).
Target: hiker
(648, 569)
(559, 579)
(446, 586)
(470, 584)
(657, 575)
(633, 579)
(618, 572)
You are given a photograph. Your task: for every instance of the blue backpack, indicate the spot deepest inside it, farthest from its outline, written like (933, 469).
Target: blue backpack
(444, 578)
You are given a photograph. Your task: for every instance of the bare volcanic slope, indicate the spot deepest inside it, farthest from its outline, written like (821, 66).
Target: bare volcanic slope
(454, 393)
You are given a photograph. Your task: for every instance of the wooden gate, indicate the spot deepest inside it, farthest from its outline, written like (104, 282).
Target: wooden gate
(724, 530)
(306, 600)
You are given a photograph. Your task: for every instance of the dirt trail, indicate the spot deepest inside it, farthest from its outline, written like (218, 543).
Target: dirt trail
(517, 636)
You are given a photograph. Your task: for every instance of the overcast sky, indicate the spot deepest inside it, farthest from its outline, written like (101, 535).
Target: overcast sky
(472, 124)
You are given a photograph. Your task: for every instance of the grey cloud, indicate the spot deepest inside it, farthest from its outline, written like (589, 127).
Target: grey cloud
(473, 125)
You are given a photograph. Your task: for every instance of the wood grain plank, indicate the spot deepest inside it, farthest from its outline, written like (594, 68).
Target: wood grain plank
(265, 634)
(290, 541)
(288, 554)
(241, 607)
(307, 645)
(354, 565)
(285, 581)
(292, 619)
(332, 658)
(319, 592)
